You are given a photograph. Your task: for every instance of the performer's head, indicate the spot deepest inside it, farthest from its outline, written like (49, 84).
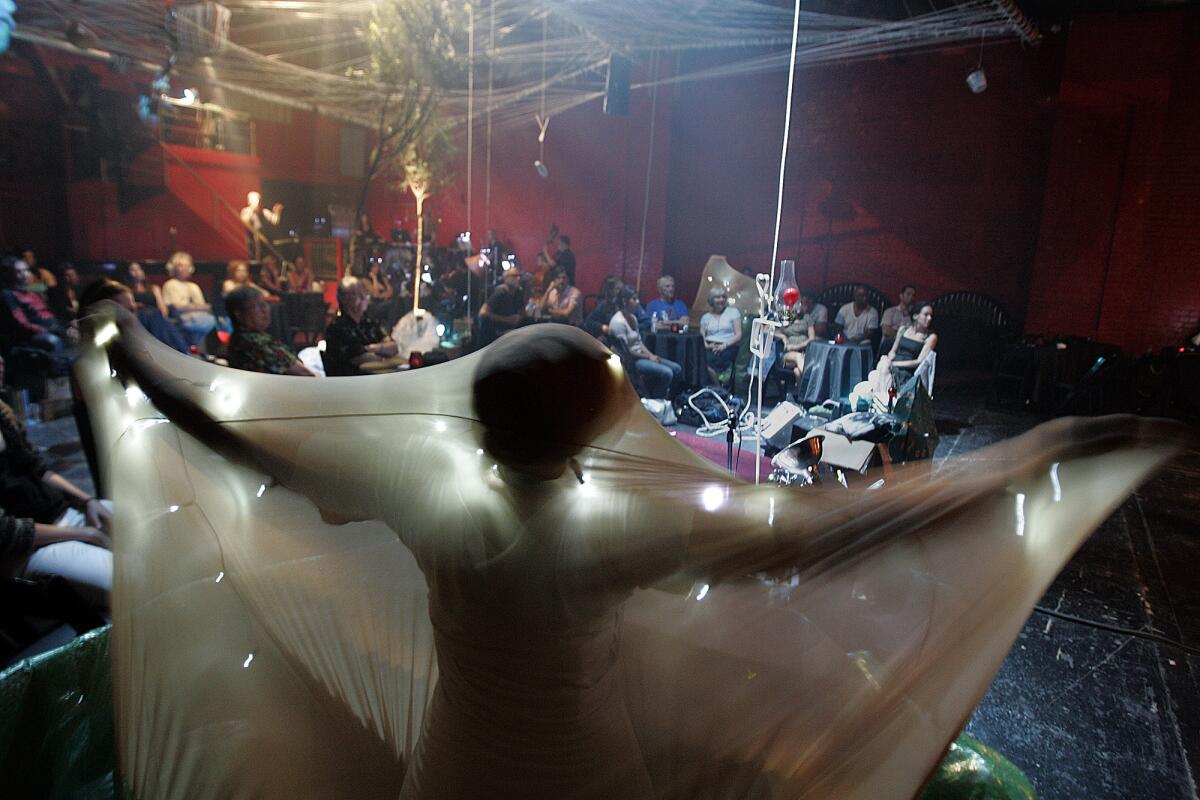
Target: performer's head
(253, 199)
(543, 393)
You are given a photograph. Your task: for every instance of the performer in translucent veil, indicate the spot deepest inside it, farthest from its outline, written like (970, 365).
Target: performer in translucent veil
(533, 496)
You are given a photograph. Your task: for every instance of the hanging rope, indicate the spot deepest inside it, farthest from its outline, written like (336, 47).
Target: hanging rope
(542, 121)
(470, 110)
(787, 130)
(649, 167)
(487, 192)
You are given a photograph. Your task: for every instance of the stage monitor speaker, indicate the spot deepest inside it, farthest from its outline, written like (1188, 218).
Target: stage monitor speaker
(616, 89)
(777, 427)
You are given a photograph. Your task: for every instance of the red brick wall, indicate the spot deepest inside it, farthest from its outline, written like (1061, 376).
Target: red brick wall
(1117, 259)
(939, 187)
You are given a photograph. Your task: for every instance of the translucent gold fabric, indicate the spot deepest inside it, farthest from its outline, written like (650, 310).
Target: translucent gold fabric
(330, 589)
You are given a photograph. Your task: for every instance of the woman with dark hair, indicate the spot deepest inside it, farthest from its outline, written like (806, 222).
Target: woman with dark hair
(914, 343)
(145, 294)
(151, 309)
(913, 347)
(562, 302)
(623, 330)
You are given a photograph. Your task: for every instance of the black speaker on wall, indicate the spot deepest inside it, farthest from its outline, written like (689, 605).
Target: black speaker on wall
(616, 89)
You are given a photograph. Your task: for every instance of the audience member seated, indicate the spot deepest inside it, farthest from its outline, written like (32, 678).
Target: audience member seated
(858, 319)
(63, 298)
(722, 331)
(898, 316)
(41, 280)
(150, 308)
(666, 307)
(815, 311)
(658, 374)
(251, 348)
(353, 338)
(185, 300)
(269, 276)
(381, 292)
(237, 276)
(25, 319)
(561, 302)
(49, 526)
(794, 339)
(504, 309)
(145, 294)
(597, 322)
(913, 346)
(301, 277)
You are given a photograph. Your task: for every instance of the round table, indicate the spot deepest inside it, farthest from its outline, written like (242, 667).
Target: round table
(832, 370)
(687, 350)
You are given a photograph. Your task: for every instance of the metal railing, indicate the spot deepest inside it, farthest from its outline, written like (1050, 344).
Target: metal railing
(205, 126)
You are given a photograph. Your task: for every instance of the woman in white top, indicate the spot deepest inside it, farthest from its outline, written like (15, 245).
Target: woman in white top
(722, 331)
(658, 373)
(185, 300)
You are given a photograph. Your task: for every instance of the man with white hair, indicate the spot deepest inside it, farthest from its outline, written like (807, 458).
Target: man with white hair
(252, 217)
(666, 307)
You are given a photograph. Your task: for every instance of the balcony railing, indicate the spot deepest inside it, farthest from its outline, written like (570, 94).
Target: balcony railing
(205, 126)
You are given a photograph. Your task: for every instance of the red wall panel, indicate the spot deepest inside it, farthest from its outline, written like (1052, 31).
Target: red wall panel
(896, 172)
(1122, 213)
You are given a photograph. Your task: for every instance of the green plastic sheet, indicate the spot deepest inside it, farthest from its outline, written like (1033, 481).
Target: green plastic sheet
(56, 723)
(56, 735)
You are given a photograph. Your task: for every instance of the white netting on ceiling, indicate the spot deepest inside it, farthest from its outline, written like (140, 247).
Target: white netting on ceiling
(528, 56)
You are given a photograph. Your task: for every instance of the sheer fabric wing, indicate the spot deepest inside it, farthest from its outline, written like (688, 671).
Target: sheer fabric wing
(273, 636)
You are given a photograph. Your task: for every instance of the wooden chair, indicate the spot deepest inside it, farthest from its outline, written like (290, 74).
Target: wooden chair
(972, 329)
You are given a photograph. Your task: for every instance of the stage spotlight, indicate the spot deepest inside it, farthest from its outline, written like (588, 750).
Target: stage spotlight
(541, 168)
(977, 81)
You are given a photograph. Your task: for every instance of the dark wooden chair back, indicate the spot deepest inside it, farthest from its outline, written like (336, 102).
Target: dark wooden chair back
(972, 329)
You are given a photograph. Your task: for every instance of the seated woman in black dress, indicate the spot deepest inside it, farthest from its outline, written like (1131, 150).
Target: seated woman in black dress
(912, 346)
